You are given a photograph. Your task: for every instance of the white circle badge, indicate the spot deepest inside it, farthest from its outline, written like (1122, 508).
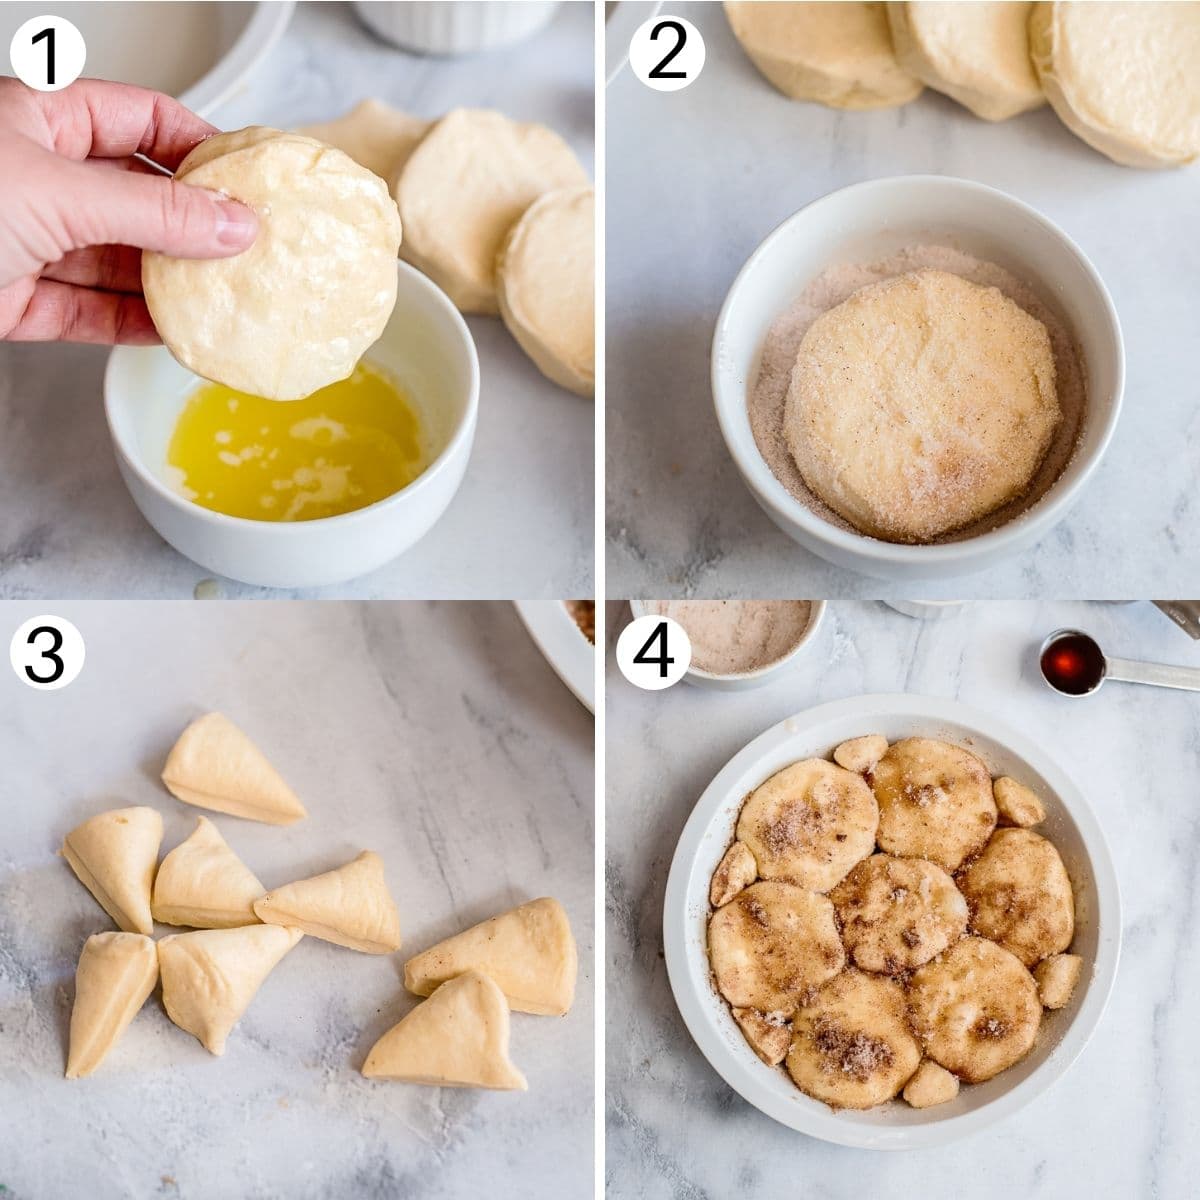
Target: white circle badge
(667, 53)
(654, 652)
(47, 653)
(47, 53)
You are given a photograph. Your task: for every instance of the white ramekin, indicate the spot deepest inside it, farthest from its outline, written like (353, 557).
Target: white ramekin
(1070, 824)
(426, 345)
(456, 26)
(742, 681)
(869, 221)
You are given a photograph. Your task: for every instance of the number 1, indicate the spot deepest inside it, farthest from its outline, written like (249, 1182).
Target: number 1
(47, 35)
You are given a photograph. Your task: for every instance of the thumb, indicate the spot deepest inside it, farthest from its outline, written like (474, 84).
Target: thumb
(156, 213)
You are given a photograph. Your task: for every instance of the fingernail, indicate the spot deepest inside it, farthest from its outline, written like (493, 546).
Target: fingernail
(237, 225)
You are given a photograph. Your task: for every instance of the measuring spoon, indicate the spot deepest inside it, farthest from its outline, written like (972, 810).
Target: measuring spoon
(1074, 665)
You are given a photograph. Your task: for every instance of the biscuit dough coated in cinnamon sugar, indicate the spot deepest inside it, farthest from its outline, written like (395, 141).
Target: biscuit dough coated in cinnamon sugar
(921, 404)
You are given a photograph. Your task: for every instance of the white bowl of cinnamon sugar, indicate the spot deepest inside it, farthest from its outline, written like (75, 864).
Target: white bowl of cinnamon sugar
(1065, 819)
(867, 236)
(740, 644)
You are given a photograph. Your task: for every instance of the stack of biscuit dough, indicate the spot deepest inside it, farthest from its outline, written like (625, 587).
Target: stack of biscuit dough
(499, 214)
(1121, 76)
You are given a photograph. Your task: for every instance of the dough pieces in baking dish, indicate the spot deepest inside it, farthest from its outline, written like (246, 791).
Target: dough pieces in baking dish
(116, 972)
(838, 54)
(546, 286)
(203, 884)
(921, 405)
(977, 54)
(210, 976)
(1123, 77)
(115, 855)
(350, 906)
(215, 765)
(295, 311)
(456, 1038)
(529, 951)
(375, 135)
(463, 187)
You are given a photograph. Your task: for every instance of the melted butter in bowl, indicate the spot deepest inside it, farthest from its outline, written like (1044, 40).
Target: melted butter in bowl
(346, 446)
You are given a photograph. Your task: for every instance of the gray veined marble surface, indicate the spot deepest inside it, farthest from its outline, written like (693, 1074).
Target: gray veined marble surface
(1123, 1120)
(697, 179)
(434, 734)
(522, 523)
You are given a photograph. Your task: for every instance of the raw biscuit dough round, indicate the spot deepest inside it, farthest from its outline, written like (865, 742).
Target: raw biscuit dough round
(977, 54)
(546, 284)
(461, 190)
(1123, 77)
(295, 311)
(837, 54)
(375, 135)
(921, 404)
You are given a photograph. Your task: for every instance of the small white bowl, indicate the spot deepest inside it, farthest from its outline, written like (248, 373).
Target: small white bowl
(743, 681)
(453, 27)
(870, 221)
(426, 345)
(1070, 824)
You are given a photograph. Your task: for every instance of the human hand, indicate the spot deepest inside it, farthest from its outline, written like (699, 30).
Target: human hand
(78, 208)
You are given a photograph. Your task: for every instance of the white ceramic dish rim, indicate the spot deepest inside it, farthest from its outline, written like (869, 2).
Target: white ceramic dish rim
(258, 37)
(563, 646)
(1042, 515)
(639, 609)
(463, 432)
(688, 968)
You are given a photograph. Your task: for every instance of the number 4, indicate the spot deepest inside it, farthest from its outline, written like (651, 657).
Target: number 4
(643, 658)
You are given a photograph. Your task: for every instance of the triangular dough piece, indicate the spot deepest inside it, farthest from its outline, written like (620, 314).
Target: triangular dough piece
(456, 1038)
(528, 951)
(203, 884)
(350, 906)
(215, 765)
(209, 977)
(116, 972)
(115, 854)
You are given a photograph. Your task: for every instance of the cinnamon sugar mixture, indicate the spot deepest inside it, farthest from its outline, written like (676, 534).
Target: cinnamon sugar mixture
(731, 637)
(767, 399)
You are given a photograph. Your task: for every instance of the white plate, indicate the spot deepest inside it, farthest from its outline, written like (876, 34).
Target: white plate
(1070, 824)
(563, 645)
(198, 52)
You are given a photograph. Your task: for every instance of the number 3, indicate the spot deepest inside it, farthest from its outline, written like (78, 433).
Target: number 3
(51, 654)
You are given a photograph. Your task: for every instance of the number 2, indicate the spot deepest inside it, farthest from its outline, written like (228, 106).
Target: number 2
(643, 658)
(51, 654)
(47, 35)
(659, 73)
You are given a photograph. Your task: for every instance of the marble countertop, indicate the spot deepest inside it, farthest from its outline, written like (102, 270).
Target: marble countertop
(1122, 1121)
(697, 179)
(522, 523)
(434, 734)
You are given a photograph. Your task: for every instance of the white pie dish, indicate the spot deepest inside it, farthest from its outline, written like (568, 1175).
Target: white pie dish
(1070, 824)
(199, 53)
(867, 222)
(743, 681)
(563, 646)
(426, 345)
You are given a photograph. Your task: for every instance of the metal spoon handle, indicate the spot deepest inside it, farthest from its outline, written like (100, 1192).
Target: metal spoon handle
(1160, 674)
